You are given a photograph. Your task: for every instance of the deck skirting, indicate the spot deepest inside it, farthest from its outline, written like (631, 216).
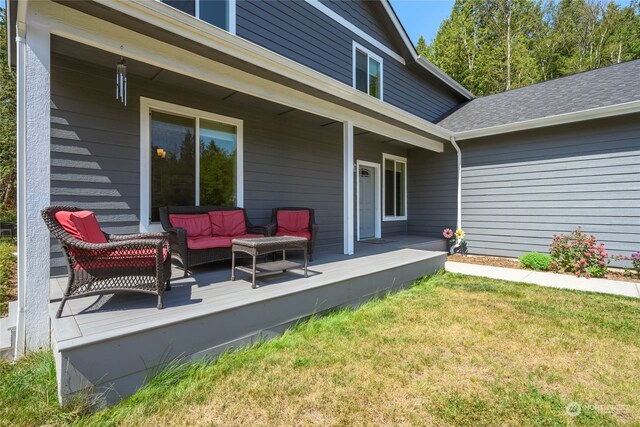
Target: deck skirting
(113, 366)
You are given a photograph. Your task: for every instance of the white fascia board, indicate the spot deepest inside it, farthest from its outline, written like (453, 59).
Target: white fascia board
(446, 78)
(164, 16)
(77, 26)
(576, 116)
(399, 28)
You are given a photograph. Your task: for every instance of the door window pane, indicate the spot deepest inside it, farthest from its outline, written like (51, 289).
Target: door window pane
(215, 12)
(389, 189)
(400, 189)
(173, 161)
(218, 153)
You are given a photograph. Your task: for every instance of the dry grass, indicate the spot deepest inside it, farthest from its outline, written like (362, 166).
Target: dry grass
(453, 350)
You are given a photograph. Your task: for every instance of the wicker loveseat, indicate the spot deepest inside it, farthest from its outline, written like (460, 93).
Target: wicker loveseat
(99, 263)
(203, 234)
(298, 222)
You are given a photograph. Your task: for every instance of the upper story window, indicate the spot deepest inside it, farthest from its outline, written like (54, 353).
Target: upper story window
(220, 13)
(367, 71)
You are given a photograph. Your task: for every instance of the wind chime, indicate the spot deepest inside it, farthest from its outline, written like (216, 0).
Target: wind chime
(121, 81)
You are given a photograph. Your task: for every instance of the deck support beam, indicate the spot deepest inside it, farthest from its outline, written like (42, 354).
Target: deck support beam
(33, 166)
(348, 187)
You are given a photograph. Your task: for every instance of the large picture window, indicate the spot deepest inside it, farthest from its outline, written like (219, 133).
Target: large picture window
(193, 158)
(367, 71)
(395, 187)
(220, 13)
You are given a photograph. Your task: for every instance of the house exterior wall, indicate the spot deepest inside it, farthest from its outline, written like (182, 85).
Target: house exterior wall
(519, 189)
(95, 152)
(302, 33)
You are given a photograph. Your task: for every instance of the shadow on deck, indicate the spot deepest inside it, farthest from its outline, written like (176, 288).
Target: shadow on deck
(113, 342)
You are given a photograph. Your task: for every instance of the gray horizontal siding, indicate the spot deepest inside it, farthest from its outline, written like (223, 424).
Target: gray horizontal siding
(362, 14)
(520, 189)
(432, 189)
(95, 152)
(302, 33)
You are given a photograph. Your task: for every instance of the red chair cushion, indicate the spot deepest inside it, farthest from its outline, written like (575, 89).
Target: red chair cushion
(195, 224)
(208, 242)
(138, 258)
(304, 234)
(227, 223)
(81, 225)
(292, 221)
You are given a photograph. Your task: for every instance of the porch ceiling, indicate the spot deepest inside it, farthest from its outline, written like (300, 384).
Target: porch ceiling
(218, 94)
(144, 29)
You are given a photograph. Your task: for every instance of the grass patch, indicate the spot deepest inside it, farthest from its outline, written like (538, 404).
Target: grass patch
(452, 350)
(7, 275)
(28, 393)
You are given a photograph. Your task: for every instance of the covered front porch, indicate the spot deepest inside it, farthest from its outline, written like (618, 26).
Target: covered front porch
(111, 344)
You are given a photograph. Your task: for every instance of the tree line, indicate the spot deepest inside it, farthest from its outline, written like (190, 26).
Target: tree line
(490, 46)
(7, 130)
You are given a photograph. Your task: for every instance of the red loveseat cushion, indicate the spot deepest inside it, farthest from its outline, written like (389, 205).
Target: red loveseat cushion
(208, 242)
(227, 223)
(195, 224)
(292, 222)
(136, 258)
(81, 225)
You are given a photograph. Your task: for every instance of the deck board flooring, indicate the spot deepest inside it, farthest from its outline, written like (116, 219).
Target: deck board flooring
(209, 290)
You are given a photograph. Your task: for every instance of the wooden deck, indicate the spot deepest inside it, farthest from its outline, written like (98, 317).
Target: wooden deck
(112, 343)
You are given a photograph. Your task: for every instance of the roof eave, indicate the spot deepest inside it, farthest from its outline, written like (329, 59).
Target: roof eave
(566, 118)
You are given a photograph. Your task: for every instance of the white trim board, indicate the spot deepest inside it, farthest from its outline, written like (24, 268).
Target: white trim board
(378, 198)
(573, 117)
(146, 106)
(74, 25)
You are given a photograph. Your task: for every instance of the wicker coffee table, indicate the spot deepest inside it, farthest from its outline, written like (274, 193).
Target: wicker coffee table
(267, 245)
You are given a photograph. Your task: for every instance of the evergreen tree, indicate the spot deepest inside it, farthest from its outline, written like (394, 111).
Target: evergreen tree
(7, 128)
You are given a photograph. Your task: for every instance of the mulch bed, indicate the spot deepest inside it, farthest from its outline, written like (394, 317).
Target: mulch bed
(495, 261)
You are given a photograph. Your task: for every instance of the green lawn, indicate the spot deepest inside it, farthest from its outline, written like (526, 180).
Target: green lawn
(452, 350)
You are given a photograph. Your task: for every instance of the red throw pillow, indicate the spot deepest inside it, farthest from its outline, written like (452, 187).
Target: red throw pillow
(293, 221)
(81, 225)
(228, 223)
(195, 224)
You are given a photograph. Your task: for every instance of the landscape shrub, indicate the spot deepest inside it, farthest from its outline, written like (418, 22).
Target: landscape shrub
(536, 261)
(579, 253)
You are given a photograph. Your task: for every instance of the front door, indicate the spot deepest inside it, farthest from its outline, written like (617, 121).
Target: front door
(367, 201)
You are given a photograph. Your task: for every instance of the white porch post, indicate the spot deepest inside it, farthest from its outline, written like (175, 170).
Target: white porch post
(348, 187)
(33, 111)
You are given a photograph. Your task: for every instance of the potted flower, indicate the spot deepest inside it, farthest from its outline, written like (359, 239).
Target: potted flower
(455, 241)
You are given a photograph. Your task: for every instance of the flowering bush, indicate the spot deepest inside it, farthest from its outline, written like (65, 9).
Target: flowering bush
(635, 262)
(578, 253)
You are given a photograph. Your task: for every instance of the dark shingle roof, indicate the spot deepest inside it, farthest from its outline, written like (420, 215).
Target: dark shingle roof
(611, 85)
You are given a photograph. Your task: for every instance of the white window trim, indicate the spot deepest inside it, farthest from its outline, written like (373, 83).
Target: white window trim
(146, 106)
(378, 210)
(231, 15)
(357, 46)
(386, 156)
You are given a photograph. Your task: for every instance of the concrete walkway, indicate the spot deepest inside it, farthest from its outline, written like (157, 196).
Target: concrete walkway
(553, 280)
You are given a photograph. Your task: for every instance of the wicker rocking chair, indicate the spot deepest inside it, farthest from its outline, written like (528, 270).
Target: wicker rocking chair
(132, 262)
